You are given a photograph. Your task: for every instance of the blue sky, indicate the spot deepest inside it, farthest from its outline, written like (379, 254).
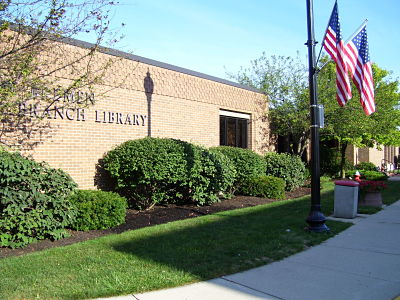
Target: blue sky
(212, 36)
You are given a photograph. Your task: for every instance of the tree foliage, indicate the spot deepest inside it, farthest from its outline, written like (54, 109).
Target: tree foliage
(35, 64)
(284, 80)
(349, 124)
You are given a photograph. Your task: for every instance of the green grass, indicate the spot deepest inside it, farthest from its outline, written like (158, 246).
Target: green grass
(368, 210)
(167, 255)
(392, 193)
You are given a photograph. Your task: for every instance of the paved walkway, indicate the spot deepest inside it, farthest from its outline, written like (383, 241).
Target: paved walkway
(394, 178)
(362, 262)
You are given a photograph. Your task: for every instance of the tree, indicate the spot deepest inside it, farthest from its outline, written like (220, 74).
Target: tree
(284, 80)
(37, 66)
(349, 124)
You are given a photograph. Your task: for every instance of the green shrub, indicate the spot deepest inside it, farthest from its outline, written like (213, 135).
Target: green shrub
(366, 166)
(145, 169)
(307, 173)
(288, 167)
(373, 175)
(97, 209)
(33, 201)
(247, 163)
(324, 179)
(265, 186)
(217, 177)
(330, 161)
(205, 178)
(153, 170)
(226, 173)
(369, 175)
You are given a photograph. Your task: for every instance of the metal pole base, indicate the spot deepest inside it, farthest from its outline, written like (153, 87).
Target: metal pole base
(316, 222)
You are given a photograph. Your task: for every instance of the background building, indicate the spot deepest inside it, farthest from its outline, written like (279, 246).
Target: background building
(385, 158)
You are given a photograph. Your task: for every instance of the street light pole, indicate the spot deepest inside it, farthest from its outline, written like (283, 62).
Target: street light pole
(315, 219)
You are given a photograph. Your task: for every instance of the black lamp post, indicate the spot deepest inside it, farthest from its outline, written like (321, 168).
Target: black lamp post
(316, 219)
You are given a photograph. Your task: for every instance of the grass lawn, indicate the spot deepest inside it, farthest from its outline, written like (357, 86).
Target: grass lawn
(168, 255)
(392, 193)
(368, 210)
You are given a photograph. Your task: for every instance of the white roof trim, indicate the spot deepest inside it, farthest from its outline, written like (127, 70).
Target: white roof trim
(234, 114)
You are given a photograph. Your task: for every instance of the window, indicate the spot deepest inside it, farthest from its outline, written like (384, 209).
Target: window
(233, 129)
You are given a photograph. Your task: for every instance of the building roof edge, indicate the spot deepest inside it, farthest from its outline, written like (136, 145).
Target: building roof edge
(118, 53)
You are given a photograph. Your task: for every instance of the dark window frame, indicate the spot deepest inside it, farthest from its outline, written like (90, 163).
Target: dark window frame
(241, 134)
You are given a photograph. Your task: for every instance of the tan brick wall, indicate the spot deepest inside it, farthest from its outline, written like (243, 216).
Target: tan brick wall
(363, 155)
(351, 154)
(366, 154)
(182, 106)
(375, 156)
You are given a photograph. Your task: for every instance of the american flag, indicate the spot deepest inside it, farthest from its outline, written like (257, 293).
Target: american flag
(334, 45)
(359, 64)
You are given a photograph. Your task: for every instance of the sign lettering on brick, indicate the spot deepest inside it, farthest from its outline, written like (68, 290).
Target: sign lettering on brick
(72, 106)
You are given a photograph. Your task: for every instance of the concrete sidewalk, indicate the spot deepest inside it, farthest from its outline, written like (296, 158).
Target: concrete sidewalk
(394, 178)
(362, 262)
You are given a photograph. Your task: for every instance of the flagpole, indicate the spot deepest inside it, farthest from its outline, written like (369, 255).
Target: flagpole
(357, 31)
(348, 40)
(322, 45)
(315, 219)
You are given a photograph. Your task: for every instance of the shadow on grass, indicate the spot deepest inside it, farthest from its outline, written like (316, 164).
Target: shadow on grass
(165, 255)
(231, 241)
(391, 193)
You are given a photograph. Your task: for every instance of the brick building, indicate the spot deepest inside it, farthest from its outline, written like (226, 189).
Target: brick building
(386, 157)
(139, 97)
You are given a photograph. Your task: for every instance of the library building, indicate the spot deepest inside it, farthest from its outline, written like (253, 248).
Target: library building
(137, 98)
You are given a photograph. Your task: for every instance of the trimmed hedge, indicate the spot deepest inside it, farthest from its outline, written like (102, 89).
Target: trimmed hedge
(153, 170)
(366, 166)
(288, 167)
(208, 176)
(247, 163)
(369, 175)
(145, 170)
(265, 186)
(226, 173)
(97, 209)
(33, 201)
(149, 171)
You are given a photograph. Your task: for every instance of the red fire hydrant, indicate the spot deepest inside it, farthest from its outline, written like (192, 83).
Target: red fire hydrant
(357, 176)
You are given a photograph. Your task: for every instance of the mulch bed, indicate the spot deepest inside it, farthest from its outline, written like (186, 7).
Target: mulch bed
(158, 215)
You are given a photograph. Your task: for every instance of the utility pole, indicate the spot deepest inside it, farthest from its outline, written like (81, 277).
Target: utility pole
(315, 219)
